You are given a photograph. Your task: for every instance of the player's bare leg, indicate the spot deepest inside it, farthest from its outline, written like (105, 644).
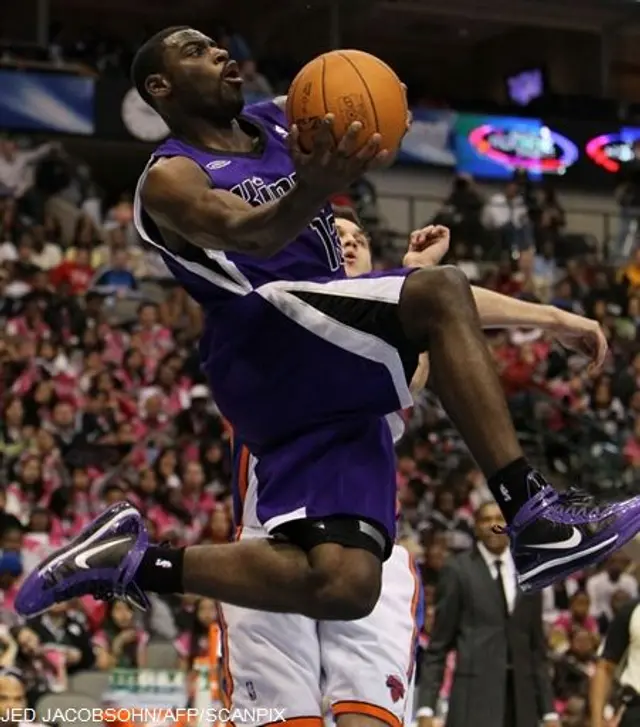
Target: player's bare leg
(112, 557)
(270, 576)
(552, 535)
(438, 312)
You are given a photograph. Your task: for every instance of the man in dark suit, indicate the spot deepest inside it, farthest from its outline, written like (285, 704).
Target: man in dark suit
(501, 677)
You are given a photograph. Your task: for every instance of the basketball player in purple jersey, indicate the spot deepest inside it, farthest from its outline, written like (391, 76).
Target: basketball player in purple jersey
(307, 363)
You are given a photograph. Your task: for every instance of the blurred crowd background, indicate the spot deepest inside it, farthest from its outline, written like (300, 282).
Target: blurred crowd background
(102, 398)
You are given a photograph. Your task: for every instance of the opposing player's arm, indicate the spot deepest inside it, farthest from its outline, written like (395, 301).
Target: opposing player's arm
(179, 198)
(280, 102)
(501, 311)
(573, 331)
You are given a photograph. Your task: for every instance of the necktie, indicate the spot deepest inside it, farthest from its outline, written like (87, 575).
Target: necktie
(500, 584)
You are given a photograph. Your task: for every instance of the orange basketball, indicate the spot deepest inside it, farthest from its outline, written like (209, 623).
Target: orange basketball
(353, 86)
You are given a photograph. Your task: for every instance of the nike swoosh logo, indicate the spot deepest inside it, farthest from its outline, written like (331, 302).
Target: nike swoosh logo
(572, 542)
(81, 558)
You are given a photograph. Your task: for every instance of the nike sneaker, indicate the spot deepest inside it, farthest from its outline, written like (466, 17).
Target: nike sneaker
(100, 562)
(556, 534)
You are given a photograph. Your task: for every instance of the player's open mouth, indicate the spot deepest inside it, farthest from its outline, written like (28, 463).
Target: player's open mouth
(231, 74)
(349, 257)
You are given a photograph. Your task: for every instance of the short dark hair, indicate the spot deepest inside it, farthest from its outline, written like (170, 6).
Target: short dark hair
(149, 59)
(347, 213)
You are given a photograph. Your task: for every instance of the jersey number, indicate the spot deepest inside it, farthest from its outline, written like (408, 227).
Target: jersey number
(325, 229)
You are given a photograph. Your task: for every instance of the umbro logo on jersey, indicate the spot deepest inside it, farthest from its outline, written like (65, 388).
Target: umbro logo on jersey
(218, 164)
(279, 130)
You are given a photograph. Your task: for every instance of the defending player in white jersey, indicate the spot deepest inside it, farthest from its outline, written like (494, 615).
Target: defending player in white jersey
(364, 667)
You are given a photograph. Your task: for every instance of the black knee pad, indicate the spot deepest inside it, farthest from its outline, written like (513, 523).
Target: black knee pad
(348, 531)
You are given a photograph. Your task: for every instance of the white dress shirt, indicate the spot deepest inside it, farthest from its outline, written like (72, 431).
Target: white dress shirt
(507, 570)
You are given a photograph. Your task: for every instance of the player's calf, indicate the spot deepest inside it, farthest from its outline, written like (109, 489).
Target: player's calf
(345, 557)
(344, 583)
(334, 572)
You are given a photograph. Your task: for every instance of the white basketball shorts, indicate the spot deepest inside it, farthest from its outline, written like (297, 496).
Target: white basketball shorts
(290, 662)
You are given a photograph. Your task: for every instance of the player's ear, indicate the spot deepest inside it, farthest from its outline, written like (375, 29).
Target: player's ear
(157, 85)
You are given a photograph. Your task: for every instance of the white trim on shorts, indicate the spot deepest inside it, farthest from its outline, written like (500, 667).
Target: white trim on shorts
(366, 345)
(286, 517)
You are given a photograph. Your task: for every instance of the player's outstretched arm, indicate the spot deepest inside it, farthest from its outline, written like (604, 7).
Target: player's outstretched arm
(573, 331)
(178, 196)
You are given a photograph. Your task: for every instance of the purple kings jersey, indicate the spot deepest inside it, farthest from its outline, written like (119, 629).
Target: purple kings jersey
(213, 277)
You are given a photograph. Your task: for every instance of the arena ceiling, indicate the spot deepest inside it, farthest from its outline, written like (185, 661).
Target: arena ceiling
(405, 24)
(410, 32)
(592, 15)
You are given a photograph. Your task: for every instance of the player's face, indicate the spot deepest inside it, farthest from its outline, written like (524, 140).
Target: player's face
(201, 77)
(355, 247)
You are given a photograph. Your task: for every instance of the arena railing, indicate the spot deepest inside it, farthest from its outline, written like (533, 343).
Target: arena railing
(407, 212)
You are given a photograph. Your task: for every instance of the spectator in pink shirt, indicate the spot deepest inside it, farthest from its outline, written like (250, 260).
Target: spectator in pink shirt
(68, 521)
(41, 538)
(220, 526)
(200, 504)
(632, 446)
(152, 418)
(193, 642)
(145, 489)
(132, 374)
(153, 339)
(31, 324)
(121, 643)
(12, 434)
(28, 489)
(11, 571)
(216, 464)
(176, 398)
(166, 468)
(172, 520)
(577, 617)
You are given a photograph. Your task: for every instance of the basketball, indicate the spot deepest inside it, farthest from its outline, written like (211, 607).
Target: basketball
(353, 86)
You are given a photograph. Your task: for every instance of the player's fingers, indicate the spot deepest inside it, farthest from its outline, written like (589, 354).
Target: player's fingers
(602, 349)
(413, 239)
(440, 233)
(349, 141)
(293, 141)
(424, 236)
(323, 140)
(370, 150)
(382, 160)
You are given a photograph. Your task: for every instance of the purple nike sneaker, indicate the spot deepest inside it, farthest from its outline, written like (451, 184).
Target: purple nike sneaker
(556, 534)
(100, 562)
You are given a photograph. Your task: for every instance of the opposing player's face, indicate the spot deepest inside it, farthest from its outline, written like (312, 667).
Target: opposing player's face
(201, 76)
(355, 247)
